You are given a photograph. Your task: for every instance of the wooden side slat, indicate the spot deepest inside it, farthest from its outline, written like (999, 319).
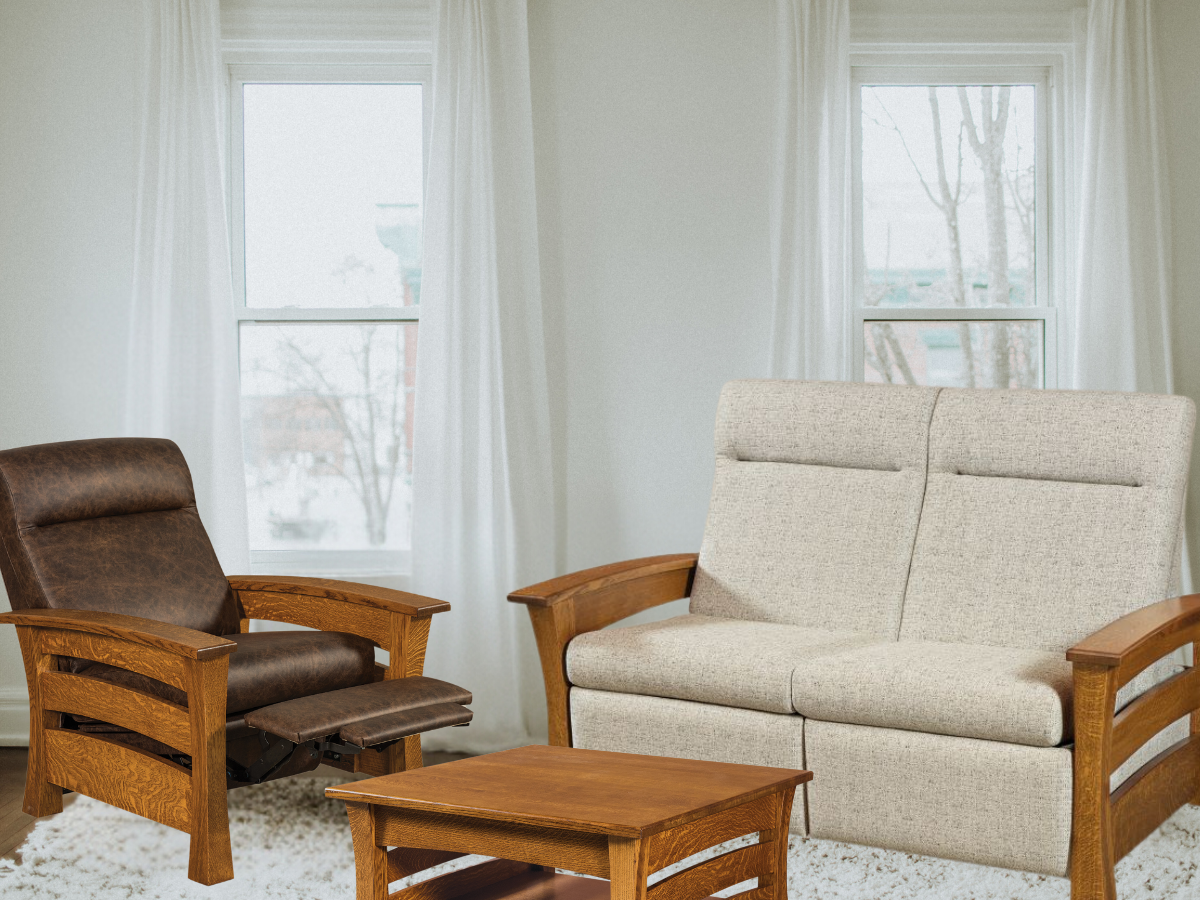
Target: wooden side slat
(463, 881)
(321, 613)
(148, 661)
(674, 844)
(130, 708)
(1166, 702)
(405, 861)
(578, 851)
(1153, 793)
(594, 611)
(136, 781)
(715, 874)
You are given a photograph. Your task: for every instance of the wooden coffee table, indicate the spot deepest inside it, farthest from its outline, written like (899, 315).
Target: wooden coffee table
(611, 815)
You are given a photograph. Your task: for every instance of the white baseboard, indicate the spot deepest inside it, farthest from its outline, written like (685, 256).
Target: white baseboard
(14, 717)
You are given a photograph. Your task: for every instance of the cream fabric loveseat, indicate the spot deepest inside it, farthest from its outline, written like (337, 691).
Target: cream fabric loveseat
(887, 585)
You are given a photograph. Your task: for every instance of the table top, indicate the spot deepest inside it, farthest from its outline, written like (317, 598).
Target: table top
(578, 790)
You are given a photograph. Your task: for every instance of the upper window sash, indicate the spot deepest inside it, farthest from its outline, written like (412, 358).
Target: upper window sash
(241, 75)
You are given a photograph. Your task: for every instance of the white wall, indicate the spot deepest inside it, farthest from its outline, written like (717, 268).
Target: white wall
(68, 74)
(652, 131)
(1179, 37)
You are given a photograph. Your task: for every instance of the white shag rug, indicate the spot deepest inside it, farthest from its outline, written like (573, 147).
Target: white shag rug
(291, 842)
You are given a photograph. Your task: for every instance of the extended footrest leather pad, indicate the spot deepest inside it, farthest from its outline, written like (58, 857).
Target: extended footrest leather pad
(367, 714)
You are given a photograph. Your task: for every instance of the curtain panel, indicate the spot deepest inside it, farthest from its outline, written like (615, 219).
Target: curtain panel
(1121, 315)
(810, 196)
(483, 510)
(182, 363)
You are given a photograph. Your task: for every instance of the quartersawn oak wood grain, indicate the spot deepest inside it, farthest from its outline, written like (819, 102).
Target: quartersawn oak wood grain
(682, 841)
(130, 708)
(320, 613)
(462, 882)
(715, 874)
(565, 607)
(555, 807)
(622, 793)
(405, 861)
(198, 664)
(1107, 825)
(136, 781)
(1153, 793)
(169, 638)
(346, 592)
(423, 829)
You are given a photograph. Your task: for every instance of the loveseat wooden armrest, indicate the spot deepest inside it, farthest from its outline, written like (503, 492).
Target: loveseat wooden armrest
(396, 621)
(191, 800)
(564, 607)
(1109, 823)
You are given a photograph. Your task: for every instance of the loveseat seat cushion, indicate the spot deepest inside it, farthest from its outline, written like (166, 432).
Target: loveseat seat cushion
(1047, 514)
(815, 504)
(731, 662)
(270, 667)
(993, 693)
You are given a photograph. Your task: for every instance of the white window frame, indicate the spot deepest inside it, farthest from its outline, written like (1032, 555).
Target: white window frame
(1047, 69)
(343, 563)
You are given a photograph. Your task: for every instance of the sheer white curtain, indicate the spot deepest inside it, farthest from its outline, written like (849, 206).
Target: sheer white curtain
(810, 196)
(1121, 334)
(1121, 319)
(483, 512)
(182, 369)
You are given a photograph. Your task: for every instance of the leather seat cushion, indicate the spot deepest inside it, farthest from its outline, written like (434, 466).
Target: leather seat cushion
(270, 667)
(731, 662)
(971, 691)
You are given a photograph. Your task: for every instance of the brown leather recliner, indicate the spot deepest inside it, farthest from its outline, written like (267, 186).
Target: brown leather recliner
(147, 690)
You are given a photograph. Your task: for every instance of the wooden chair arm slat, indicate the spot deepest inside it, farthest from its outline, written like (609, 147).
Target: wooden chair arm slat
(174, 639)
(386, 599)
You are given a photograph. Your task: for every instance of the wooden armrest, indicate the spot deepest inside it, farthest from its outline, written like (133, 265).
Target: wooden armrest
(173, 639)
(591, 581)
(344, 592)
(1133, 642)
(563, 608)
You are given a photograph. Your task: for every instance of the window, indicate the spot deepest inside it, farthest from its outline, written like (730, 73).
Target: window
(327, 187)
(952, 265)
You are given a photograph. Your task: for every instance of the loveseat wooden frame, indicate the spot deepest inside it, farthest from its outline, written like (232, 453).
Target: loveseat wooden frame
(1106, 824)
(191, 800)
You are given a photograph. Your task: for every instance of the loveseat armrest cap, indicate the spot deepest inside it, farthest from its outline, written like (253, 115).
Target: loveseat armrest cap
(558, 590)
(1144, 631)
(174, 639)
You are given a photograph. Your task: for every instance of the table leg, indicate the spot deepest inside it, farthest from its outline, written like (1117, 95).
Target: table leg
(628, 859)
(370, 859)
(776, 882)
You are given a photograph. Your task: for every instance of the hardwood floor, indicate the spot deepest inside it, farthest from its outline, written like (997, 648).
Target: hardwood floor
(15, 825)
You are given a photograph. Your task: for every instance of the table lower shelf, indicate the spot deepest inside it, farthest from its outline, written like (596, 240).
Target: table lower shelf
(542, 886)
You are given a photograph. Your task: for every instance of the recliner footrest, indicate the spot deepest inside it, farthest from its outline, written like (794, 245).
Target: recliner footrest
(393, 709)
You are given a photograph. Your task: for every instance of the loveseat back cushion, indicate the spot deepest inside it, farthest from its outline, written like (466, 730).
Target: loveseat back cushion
(109, 525)
(815, 504)
(1047, 514)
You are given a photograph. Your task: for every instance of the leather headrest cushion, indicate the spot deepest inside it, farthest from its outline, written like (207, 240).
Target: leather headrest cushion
(65, 482)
